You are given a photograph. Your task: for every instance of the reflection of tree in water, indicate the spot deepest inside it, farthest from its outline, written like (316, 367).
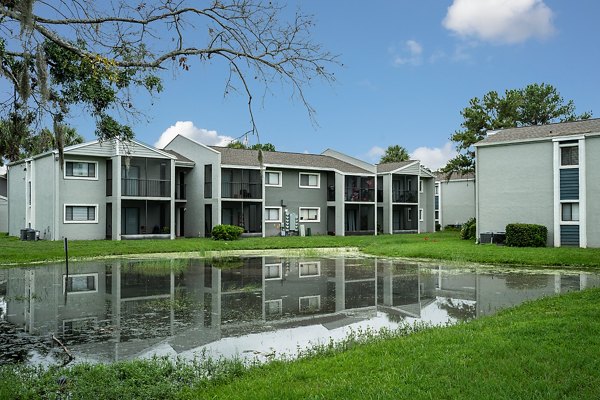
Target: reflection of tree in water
(526, 281)
(458, 310)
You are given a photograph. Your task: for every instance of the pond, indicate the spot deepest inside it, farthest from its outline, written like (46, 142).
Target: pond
(251, 307)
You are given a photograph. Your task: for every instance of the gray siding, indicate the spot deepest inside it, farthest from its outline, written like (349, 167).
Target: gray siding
(105, 149)
(294, 197)
(45, 169)
(457, 202)
(592, 179)
(3, 215)
(17, 196)
(82, 191)
(426, 203)
(411, 170)
(194, 180)
(515, 185)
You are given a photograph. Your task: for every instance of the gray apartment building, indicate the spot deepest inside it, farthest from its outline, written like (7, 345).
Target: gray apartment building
(543, 175)
(118, 190)
(454, 199)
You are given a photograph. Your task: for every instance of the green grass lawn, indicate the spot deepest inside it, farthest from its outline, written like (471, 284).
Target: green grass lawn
(546, 349)
(438, 246)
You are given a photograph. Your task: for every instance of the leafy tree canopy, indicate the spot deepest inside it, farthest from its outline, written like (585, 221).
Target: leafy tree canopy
(258, 146)
(394, 153)
(90, 56)
(536, 104)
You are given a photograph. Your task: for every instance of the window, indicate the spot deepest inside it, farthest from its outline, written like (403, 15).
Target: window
(310, 214)
(273, 178)
(80, 214)
(272, 271)
(272, 214)
(308, 180)
(437, 215)
(409, 185)
(273, 307)
(409, 214)
(84, 283)
(420, 214)
(79, 325)
(569, 155)
(309, 303)
(307, 269)
(421, 185)
(80, 169)
(570, 211)
(437, 189)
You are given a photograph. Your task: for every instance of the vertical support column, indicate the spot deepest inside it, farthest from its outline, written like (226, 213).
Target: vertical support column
(387, 204)
(375, 204)
(582, 196)
(388, 287)
(57, 179)
(172, 202)
(216, 298)
(557, 283)
(116, 305)
(117, 207)
(264, 199)
(340, 211)
(556, 175)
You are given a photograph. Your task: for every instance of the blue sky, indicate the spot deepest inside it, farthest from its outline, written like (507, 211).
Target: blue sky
(409, 69)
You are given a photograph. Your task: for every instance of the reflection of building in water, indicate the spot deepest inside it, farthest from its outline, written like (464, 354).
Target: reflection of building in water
(124, 309)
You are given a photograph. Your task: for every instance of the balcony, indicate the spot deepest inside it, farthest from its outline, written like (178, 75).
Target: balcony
(404, 196)
(355, 194)
(180, 191)
(145, 187)
(241, 190)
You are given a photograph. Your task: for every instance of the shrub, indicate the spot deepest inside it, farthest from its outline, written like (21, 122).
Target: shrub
(452, 228)
(226, 232)
(526, 235)
(468, 230)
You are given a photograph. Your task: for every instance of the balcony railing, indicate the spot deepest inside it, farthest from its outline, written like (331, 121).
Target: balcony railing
(235, 190)
(146, 187)
(404, 196)
(355, 194)
(180, 191)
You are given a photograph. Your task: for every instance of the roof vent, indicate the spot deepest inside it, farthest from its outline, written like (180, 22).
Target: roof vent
(491, 132)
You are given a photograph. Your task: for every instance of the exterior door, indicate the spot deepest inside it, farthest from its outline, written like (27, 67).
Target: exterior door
(130, 221)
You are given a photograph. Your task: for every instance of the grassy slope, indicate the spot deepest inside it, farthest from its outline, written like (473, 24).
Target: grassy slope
(547, 349)
(440, 245)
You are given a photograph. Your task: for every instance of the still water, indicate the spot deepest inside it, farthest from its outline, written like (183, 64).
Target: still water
(254, 307)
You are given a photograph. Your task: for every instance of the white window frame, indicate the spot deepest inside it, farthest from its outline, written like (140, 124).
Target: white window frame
(95, 221)
(421, 215)
(318, 175)
(280, 268)
(569, 222)
(436, 215)
(301, 264)
(318, 297)
(85, 178)
(561, 146)
(277, 301)
(273, 221)
(280, 178)
(64, 283)
(300, 220)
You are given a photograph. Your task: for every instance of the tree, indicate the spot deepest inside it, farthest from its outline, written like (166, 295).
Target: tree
(258, 146)
(536, 104)
(394, 153)
(92, 55)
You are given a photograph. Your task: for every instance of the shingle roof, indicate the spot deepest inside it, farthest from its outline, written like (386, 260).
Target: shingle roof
(178, 156)
(543, 131)
(245, 157)
(442, 176)
(389, 167)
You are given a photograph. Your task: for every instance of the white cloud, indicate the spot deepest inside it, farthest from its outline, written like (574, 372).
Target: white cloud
(434, 158)
(502, 21)
(410, 54)
(187, 129)
(375, 153)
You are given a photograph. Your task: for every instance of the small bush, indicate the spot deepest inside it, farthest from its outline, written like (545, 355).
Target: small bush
(469, 230)
(452, 228)
(526, 235)
(227, 232)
